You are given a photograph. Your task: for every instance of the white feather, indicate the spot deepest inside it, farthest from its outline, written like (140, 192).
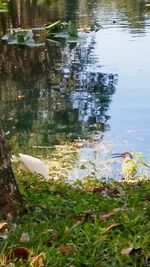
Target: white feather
(34, 165)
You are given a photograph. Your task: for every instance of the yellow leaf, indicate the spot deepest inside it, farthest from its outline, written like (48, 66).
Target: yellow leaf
(38, 260)
(3, 227)
(111, 226)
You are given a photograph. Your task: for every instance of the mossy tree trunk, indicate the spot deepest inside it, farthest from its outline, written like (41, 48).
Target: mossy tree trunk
(10, 197)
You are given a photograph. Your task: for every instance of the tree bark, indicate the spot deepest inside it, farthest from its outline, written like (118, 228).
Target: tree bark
(10, 197)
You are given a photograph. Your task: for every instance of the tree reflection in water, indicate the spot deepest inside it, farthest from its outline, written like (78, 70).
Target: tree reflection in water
(52, 93)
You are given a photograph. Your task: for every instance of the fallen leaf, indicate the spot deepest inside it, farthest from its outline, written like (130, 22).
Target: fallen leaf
(65, 249)
(3, 227)
(88, 215)
(18, 253)
(79, 218)
(131, 251)
(38, 260)
(111, 226)
(51, 240)
(108, 214)
(126, 251)
(102, 190)
(25, 237)
(106, 191)
(83, 218)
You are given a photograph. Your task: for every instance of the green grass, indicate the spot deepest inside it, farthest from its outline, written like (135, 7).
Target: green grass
(59, 214)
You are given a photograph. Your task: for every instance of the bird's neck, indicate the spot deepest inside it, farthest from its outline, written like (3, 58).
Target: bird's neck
(127, 158)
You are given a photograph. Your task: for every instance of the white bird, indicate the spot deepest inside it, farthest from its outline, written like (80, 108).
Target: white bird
(33, 165)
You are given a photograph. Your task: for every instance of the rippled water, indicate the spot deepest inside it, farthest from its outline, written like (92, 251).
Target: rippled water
(96, 90)
(128, 56)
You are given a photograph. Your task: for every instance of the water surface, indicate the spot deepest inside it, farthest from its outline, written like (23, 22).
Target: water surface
(97, 90)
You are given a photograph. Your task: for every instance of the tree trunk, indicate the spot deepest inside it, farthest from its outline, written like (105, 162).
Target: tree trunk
(10, 197)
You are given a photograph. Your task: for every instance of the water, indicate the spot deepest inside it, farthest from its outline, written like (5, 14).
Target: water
(97, 90)
(130, 107)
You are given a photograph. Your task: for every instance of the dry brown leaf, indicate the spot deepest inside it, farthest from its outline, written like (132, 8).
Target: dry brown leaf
(82, 218)
(126, 251)
(88, 215)
(3, 227)
(79, 218)
(18, 253)
(65, 249)
(131, 251)
(106, 191)
(51, 240)
(111, 226)
(108, 214)
(38, 260)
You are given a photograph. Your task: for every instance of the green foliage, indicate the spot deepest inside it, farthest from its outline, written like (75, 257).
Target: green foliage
(58, 29)
(84, 225)
(41, 2)
(20, 37)
(64, 29)
(139, 162)
(135, 167)
(68, 30)
(72, 29)
(54, 27)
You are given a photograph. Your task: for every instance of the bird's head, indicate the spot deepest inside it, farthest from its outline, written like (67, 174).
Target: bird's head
(125, 155)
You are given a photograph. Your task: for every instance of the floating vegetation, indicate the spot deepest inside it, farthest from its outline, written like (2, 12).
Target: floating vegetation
(69, 29)
(52, 32)
(20, 36)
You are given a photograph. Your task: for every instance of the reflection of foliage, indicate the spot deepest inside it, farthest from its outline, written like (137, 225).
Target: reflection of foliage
(43, 2)
(54, 92)
(24, 120)
(130, 13)
(89, 92)
(30, 13)
(134, 12)
(3, 6)
(56, 95)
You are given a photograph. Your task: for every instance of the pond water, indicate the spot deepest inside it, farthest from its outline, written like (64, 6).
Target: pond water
(96, 90)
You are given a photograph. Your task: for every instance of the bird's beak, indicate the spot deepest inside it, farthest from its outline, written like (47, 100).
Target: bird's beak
(116, 155)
